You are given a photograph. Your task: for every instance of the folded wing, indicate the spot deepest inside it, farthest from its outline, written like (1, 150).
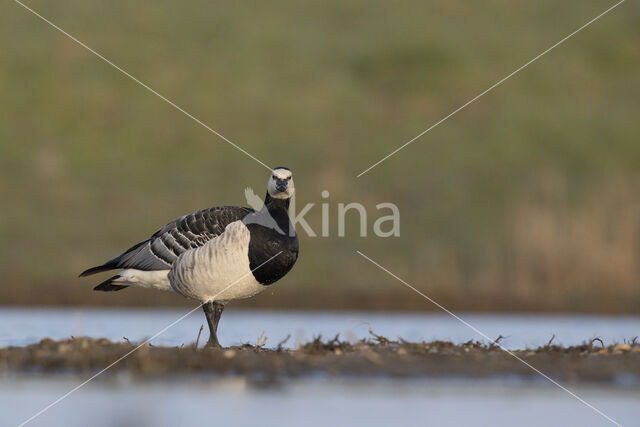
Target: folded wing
(187, 232)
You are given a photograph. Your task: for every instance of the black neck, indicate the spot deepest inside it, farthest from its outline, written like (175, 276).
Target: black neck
(275, 205)
(279, 211)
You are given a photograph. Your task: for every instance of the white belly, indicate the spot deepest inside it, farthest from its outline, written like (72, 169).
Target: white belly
(217, 271)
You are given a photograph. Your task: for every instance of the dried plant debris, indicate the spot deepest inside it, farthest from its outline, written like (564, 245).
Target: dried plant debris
(378, 355)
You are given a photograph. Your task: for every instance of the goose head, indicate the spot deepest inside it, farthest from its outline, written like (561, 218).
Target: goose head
(280, 185)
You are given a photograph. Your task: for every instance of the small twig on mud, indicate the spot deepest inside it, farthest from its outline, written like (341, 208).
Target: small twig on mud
(126, 339)
(335, 340)
(553, 337)
(281, 343)
(634, 340)
(199, 332)
(597, 339)
(497, 340)
(381, 340)
(262, 340)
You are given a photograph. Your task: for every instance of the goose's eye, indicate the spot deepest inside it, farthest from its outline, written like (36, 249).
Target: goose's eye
(288, 178)
(273, 176)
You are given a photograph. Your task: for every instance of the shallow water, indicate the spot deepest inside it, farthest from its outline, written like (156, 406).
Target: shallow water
(121, 401)
(21, 326)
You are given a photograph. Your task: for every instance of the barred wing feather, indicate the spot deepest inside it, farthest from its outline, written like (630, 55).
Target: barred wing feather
(187, 232)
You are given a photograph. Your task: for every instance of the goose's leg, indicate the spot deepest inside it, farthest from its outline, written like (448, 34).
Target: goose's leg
(213, 312)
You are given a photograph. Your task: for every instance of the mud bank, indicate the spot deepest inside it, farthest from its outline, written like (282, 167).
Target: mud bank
(378, 356)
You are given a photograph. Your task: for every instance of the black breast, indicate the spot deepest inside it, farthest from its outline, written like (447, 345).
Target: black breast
(265, 243)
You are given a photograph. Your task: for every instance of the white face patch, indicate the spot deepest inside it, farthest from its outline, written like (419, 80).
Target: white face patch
(280, 176)
(281, 173)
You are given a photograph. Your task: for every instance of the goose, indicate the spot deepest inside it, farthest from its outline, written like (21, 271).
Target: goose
(214, 255)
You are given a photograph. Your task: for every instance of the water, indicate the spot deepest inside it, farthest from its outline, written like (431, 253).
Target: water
(121, 401)
(118, 399)
(21, 326)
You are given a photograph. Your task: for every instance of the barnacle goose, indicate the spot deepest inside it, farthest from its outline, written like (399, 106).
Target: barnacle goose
(214, 255)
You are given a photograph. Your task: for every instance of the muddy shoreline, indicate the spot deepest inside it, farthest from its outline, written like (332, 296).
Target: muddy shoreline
(378, 356)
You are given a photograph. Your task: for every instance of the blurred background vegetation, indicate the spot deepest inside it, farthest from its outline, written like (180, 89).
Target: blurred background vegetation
(525, 200)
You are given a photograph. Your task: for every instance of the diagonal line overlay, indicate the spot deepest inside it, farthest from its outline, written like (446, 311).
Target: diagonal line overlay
(163, 330)
(150, 89)
(499, 82)
(482, 334)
